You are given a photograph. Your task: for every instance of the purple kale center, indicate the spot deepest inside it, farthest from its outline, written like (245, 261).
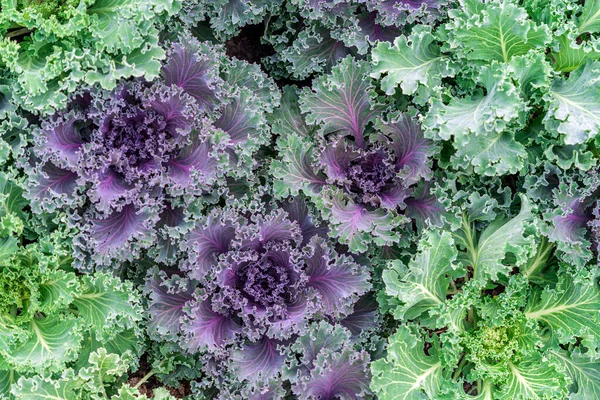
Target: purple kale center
(139, 133)
(264, 282)
(372, 172)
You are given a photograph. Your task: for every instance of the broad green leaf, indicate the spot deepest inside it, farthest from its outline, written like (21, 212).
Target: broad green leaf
(52, 342)
(57, 290)
(533, 379)
(572, 310)
(38, 388)
(105, 303)
(571, 55)
(589, 21)
(584, 372)
(411, 62)
(105, 369)
(574, 104)
(486, 252)
(429, 273)
(407, 373)
(498, 32)
(7, 379)
(483, 125)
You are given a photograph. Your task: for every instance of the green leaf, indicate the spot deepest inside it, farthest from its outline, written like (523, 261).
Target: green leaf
(486, 253)
(483, 125)
(51, 344)
(571, 55)
(7, 379)
(407, 373)
(533, 379)
(572, 310)
(584, 372)
(107, 303)
(428, 278)
(574, 104)
(57, 290)
(411, 62)
(498, 32)
(589, 21)
(38, 388)
(105, 369)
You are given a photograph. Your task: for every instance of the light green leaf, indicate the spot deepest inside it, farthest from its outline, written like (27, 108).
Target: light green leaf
(584, 372)
(574, 104)
(411, 62)
(499, 32)
(407, 373)
(533, 379)
(107, 303)
(38, 388)
(589, 21)
(570, 55)
(51, 344)
(105, 369)
(572, 310)
(428, 278)
(486, 253)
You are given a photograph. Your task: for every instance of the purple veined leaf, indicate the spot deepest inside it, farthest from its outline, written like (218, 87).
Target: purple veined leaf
(343, 375)
(206, 329)
(190, 67)
(298, 211)
(338, 280)
(322, 336)
(393, 196)
(63, 138)
(336, 158)
(373, 31)
(167, 246)
(195, 159)
(571, 227)
(341, 102)
(240, 120)
(364, 316)
(176, 108)
(206, 244)
(297, 316)
(422, 206)
(109, 186)
(258, 361)
(110, 234)
(49, 181)
(412, 150)
(275, 227)
(168, 296)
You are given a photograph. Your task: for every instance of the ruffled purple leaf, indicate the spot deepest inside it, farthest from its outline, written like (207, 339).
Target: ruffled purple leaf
(177, 109)
(206, 243)
(373, 31)
(275, 227)
(336, 158)
(412, 150)
(206, 329)
(49, 182)
(109, 187)
(258, 361)
(423, 207)
(64, 138)
(571, 225)
(171, 218)
(194, 163)
(341, 102)
(344, 375)
(364, 315)
(112, 233)
(298, 211)
(338, 280)
(192, 67)
(168, 296)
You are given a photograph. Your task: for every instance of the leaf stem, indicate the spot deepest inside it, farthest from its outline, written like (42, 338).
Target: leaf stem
(461, 364)
(18, 32)
(144, 379)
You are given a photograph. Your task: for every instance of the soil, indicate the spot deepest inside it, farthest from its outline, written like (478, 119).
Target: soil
(148, 387)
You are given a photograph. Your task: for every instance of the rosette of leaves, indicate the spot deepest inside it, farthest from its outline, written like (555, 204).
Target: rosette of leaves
(126, 164)
(256, 276)
(367, 171)
(495, 84)
(489, 312)
(61, 335)
(48, 48)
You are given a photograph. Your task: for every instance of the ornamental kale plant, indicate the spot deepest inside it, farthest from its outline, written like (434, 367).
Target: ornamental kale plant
(366, 170)
(125, 164)
(256, 277)
(489, 313)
